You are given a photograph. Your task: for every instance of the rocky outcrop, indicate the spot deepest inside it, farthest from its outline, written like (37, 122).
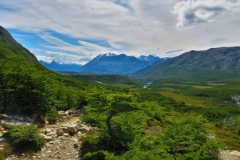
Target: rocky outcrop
(236, 98)
(17, 119)
(229, 155)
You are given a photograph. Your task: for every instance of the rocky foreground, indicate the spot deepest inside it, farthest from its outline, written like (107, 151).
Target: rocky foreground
(64, 138)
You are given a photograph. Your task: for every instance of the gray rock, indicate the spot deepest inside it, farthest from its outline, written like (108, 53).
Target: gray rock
(47, 131)
(29, 120)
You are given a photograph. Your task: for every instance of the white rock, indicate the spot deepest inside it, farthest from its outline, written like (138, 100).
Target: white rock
(48, 138)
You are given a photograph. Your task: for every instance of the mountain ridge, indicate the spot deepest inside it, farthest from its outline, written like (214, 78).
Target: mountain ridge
(211, 64)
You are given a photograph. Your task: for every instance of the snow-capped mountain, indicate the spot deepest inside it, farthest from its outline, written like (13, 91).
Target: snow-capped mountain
(55, 66)
(111, 63)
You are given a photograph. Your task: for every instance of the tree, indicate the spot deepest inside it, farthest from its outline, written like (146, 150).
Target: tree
(186, 138)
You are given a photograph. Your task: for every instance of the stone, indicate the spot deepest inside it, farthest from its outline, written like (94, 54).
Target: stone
(84, 129)
(75, 145)
(60, 132)
(4, 116)
(29, 120)
(72, 129)
(47, 131)
(48, 138)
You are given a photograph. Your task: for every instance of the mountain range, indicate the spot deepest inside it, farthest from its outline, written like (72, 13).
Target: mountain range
(55, 66)
(109, 63)
(118, 64)
(214, 64)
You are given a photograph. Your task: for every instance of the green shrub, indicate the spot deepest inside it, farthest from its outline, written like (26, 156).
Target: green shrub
(24, 138)
(99, 155)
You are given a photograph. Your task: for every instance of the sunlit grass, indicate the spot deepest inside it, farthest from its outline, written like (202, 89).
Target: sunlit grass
(188, 100)
(231, 140)
(202, 87)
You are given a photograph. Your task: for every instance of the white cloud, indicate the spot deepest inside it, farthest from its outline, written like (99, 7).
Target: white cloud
(133, 27)
(54, 40)
(192, 12)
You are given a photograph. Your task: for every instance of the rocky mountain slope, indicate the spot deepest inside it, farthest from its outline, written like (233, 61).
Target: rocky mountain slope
(211, 64)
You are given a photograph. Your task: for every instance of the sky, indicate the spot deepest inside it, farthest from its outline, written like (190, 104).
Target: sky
(76, 31)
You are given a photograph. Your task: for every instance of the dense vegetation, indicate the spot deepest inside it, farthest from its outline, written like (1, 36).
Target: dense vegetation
(113, 79)
(24, 138)
(132, 123)
(29, 88)
(143, 125)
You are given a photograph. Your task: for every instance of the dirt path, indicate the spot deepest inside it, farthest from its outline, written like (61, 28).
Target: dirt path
(65, 147)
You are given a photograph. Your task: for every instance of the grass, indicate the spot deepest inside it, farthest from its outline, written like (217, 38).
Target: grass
(188, 100)
(202, 87)
(231, 140)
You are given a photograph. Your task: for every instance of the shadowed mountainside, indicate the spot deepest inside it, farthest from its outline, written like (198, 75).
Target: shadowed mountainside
(209, 65)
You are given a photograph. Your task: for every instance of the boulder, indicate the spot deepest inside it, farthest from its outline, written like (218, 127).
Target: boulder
(48, 138)
(29, 120)
(72, 129)
(84, 129)
(47, 131)
(60, 132)
(4, 116)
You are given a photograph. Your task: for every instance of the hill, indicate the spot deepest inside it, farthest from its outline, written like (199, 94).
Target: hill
(118, 64)
(10, 47)
(26, 87)
(216, 64)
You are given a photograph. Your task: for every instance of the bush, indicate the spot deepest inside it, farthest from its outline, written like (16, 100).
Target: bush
(24, 138)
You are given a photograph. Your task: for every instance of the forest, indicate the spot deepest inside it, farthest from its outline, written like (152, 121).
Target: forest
(131, 122)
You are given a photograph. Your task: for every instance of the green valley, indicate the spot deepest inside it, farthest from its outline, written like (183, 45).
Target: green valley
(174, 118)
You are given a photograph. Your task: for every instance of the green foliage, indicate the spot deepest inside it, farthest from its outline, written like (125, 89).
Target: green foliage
(112, 79)
(29, 88)
(24, 138)
(133, 116)
(187, 138)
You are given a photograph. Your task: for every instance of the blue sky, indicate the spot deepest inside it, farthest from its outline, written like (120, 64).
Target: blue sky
(76, 31)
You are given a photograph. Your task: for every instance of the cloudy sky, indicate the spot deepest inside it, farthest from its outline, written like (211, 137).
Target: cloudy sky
(75, 31)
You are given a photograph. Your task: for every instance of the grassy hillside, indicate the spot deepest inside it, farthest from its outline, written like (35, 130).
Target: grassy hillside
(9, 47)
